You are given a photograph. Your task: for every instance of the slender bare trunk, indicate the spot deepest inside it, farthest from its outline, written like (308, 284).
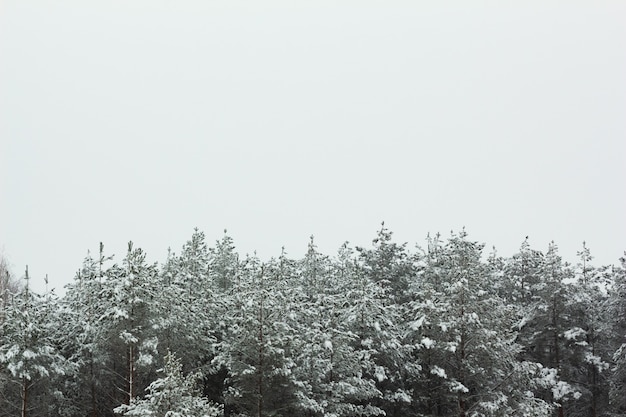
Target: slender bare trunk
(462, 376)
(94, 408)
(557, 358)
(594, 373)
(260, 374)
(24, 397)
(462, 357)
(131, 373)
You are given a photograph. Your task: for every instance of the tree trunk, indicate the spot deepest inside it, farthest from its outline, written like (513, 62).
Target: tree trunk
(94, 408)
(260, 375)
(131, 373)
(24, 397)
(461, 406)
(594, 375)
(462, 356)
(557, 357)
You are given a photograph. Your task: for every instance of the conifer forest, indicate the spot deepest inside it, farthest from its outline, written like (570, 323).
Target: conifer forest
(447, 328)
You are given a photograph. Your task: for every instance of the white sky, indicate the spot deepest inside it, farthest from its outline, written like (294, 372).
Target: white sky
(139, 120)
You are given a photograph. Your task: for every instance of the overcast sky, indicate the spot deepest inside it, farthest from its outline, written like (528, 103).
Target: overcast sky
(142, 119)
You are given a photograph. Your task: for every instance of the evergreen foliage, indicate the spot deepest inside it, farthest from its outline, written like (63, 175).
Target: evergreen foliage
(444, 330)
(173, 395)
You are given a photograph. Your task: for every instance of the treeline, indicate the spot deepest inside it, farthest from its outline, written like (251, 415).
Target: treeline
(443, 330)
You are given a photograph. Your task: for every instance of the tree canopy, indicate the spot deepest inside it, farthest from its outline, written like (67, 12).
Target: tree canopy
(441, 330)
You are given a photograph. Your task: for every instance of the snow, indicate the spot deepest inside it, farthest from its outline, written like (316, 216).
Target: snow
(379, 374)
(29, 354)
(574, 333)
(402, 396)
(415, 325)
(145, 359)
(324, 342)
(561, 389)
(127, 337)
(10, 354)
(150, 344)
(456, 386)
(42, 370)
(440, 372)
(118, 313)
(451, 346)
(367, 342)
(427, 342)
(15, 368)
(523, 322)
(596, 361)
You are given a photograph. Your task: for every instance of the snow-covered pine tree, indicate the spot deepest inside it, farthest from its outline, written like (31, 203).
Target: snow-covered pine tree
(552, 326)
(8, 285)
(375, 315)
(223, 263)
(617, 309)
(185, 305)
(254, 344)
(308, 348)
(335, 371)
(84, 337)
(521, 283)
(29, 353)
(194, 263)
(588, 356)
(464, 339)
(128, 292)
(172, 395)
(387, 261)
